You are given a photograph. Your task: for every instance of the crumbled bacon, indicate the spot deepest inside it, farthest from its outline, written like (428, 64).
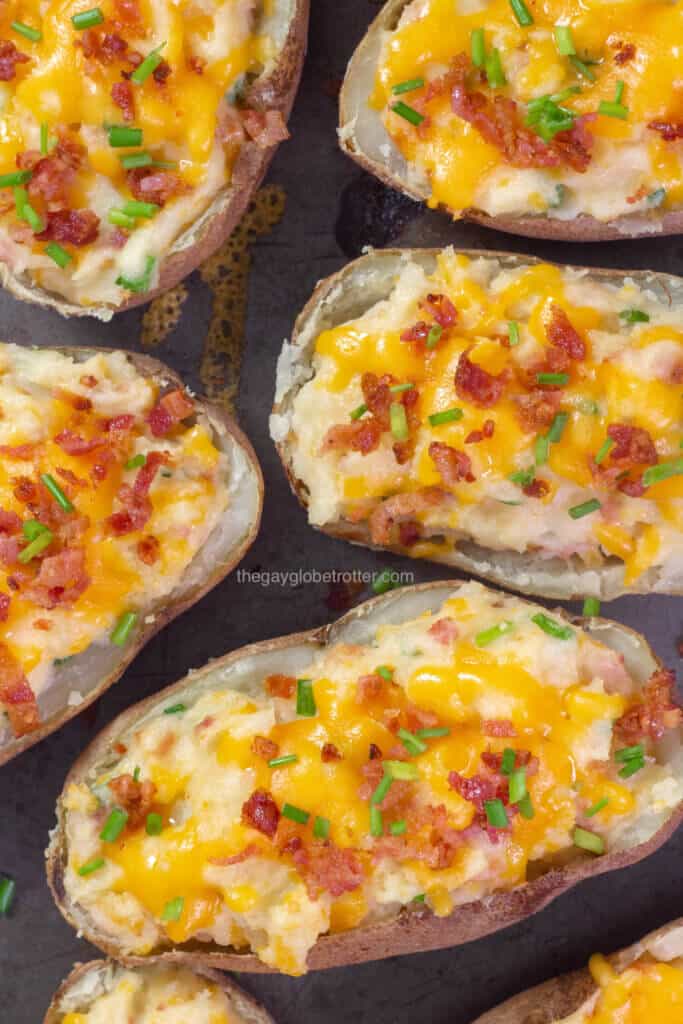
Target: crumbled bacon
(476, 790)
(431, 839)
(409, 533)
(16, 694)
(444, 631)
(170, 410)
(264, 748)
(74, 444)
(265, 128)
(54, 174)
(399, 791)
(325, 867)
(537, 410)
(229, 127)
(23, 452)
(475, 384)
(148, 549)
(451, 464)
(634, 488)
(561, 332)
(61, 579)
(71, 478)
(476, 436)
(670, 131)
(10, 56)
(5, 601)
(135, 797)
(153, 186)
(625, 53)
(536, 488)
(76, 227)
(402, 508)
(374, 752)
(655, 714)
(278, 685)
(498, 727)
(362, 436)
(10, 523)
(196, 64)
(330, 753)
(161, 72)
(441, 309)
(632, 445)
(369, 687)
(261, 812)
(137, 505)
(122, 95)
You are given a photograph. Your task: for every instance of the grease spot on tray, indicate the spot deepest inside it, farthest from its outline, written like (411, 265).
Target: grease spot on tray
(162, 315)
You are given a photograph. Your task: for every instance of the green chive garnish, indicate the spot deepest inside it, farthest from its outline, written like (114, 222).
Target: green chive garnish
(382, 788)
(403, 770)
(175, 709)
(525, 807)
(634, 316)
(586, 840)
(136, 208)
(154, 824)
(507, 761)
(585, 509)
(91, 866)
(513, 333)
(87, 19)
(148, 66)
(583, 68)
(32, 528)
(44, 139)
(541, 450)
(663, 471)
(604, 450)
(412, 743)
(136, 461)
(8, 888)
(132, 160)
(447, 416)
(56, 492)
(608, 108)
(321, 828)
(559, 379)
(305, 699)
(397, 828)
(521, 13)
(123, 628)
(34, 34)
(36, 547)
(557, 427)
(494, 69)
(487, 636)
(34, 220)
(434, 336)
(359, 411)
(122, 135)
(15, 178)
(385, 673)
(121, 220)
(385, 580)
(398, 421)
(656, 198)
(295, 814)
(591, 607)
(517, 785)
(523, 477)
(478, 47)
(564, 41)
(496, 814)
(397, 389)
(59, 255)
(139, 284)
(597, 807)
(631, 767)
(376, 826)
(409, 86)
(278, 762)
(551, 627)
(433, 732)
(136, 773)
(114, 825)
(173, 909)
(408, 113)
(628, 753)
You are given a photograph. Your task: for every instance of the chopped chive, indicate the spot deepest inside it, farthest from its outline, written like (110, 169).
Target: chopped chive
(521, 13)
(382, 788)
(496, 814)
(559, 379)
(487, 636)
(597, 807)
(34, 34)
(136, 773)
(32, 528)
(359, 411)
(397, 828)
(15, 178)
(507, 761)
(619, 91)
(44, 139)
(517, 785)
(87, 19)
(628, 753)
(589, 407)
(321, 828)
(585, 508)
(136, 461)
(8, 888)
(20, 199)
(36, 547)
(557, 427)
(608, 108)
(631, 767)
(154, 824)
(420, 898)
(56, 491)
(541, 450)
(447, 416)
(513, 333)
(591, 607)
(34, 220)
(604, 450)
(123, 628)
(91, 866)
(494, 69)
(634, 316)
(148, 66)
(114, 825)
(560, 196)
(408, 113)
(132, 160)
(121, 220)
(398, 421)
(295, 814)
(434, 336)
(59, 255)
(433, 732)
(175, 709)
(525, 807)
(305, 699)
(385, 673)
(138, 284)
(478, 47)
(412, 743)
(385, 580)
(173, 909)
(523, 477)
(586, 840)
(403, 770)
(663, 471)
(551, 627)
(656, 198)
(564, 40)
(409, 86)
(376, 825)
(583, 68)
(397, 389)
(279, 762)
(136, 208)
(123, 135)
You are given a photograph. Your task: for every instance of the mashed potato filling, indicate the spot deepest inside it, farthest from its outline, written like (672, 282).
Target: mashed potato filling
(444, 760)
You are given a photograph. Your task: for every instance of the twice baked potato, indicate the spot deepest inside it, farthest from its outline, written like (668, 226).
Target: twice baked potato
(122, 501)
(103, 992)
(510, 418)
(441, 762)
(560, 120)
(133, 136)
(639, 984)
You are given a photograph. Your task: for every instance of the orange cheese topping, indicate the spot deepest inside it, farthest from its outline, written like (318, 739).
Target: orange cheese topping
(645, 991)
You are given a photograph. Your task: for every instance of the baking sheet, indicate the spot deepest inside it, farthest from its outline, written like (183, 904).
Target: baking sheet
(316, 210)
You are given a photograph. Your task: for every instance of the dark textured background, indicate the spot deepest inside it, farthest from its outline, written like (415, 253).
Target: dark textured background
(332, 211)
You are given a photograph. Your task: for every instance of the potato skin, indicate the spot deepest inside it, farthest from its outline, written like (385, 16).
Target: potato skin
(274, 92)
(153, 368)
(579, 229)
(412, 930)
(333, 301)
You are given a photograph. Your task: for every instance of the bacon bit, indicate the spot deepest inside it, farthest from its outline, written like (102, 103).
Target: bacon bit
(10, 56)
(670, 131)
(436, 849)
(161, 72)
(229, 128)
(264, 748)
(88, 381)
(474, 384)
(633, 488)
(523, 759)
(53, 175)
(77, 227)
(9, 551)
(487, 431)
(373, 773)
(444, 631)
(280, 686)
(196, 64)
(538, 488)
(134, 797)
(537, 410)
(23, 452)
(441, 309)
(16, 694)
(625, 53)
(61, 579)
(265, 128)
(148, 549)
(378, 397)
(74, 444)
(632, 445)
(655, 714)
(638, 195)
(369, 688)
(362, 436)
(476, 790)
(326, 868)
(401, 508)
(452, 465)
(561, 332)
(78, 402)
(122, 95)
(152, 186)
(419, 332)
(330, 753)
(137, 506)
(42, 624)
(170, 410)
(261, 812)
(374, 752)
(119, 424)
(71, 478)
(24, 491)
(409, 533)
(5, 601)
(498, 727)
(237, 858)
(10, 523)
(120, 748)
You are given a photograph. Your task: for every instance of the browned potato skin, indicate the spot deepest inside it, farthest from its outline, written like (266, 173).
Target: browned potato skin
(551, 1001)
(412, 930)
(275, 92)
(250, 1011)
(150, 367)
(581, 229)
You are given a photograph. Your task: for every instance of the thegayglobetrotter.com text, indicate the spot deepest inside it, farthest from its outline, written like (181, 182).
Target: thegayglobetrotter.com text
(307, 577)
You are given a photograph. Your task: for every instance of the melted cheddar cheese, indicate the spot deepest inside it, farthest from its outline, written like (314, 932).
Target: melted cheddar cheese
(59, 105)
(345, 846)
(557, 486)
(158, 995)
(71, 575)
(619, 71)
(647, 990)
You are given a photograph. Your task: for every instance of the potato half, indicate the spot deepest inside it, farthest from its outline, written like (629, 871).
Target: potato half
(570, 998)
(207, 992)
(388, 289)
(364, 136)
(249, 673)
(80, 679)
